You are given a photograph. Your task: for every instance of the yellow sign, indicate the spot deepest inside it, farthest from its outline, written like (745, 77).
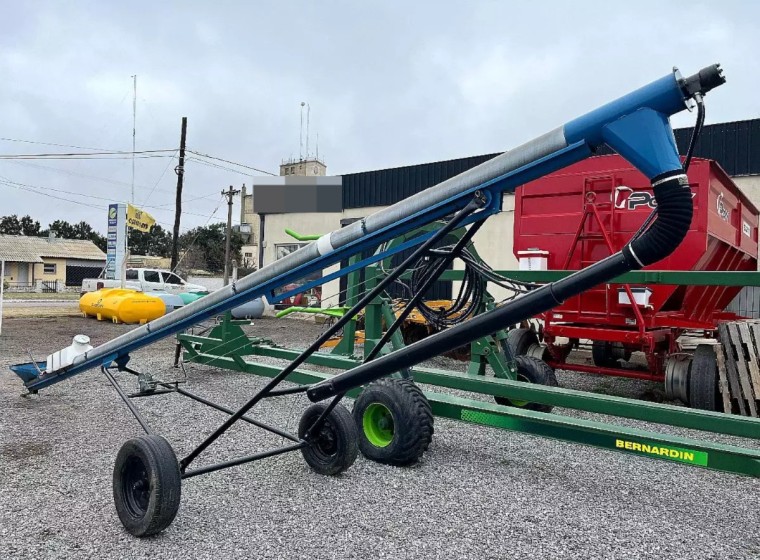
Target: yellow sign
(138, 219)
(663, 451)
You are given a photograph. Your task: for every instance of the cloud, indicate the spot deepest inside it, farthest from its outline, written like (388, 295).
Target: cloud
(388, 84)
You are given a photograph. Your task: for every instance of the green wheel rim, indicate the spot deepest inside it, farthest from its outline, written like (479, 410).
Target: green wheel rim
(521, 404)
(378, 426)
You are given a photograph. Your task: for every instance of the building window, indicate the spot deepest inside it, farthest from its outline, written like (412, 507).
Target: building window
(310, 297)
(248, 255)
(284, 250)
(49, 268)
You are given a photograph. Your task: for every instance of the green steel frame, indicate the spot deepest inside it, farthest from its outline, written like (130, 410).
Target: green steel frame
(223, 348)
(670, 277)
(729, 458)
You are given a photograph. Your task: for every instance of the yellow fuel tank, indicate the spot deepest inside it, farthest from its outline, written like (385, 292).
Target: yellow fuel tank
(121, 305)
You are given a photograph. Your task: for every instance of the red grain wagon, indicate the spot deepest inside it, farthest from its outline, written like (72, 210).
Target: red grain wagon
(588, 211)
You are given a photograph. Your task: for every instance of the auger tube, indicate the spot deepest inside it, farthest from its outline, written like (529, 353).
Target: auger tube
(636, 125)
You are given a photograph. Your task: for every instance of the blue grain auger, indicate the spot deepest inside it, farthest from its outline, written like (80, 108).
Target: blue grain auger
(147, 475)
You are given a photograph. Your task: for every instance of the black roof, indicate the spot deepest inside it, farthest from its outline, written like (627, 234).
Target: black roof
(734, 145)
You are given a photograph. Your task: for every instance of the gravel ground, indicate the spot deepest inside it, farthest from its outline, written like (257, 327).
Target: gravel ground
(478, 493)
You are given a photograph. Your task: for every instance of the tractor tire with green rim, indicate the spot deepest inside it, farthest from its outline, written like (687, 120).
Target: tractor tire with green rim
(520, 340)
(333, 449)
(704, 391)
(531, 370)
(394, 420)
(146, 485)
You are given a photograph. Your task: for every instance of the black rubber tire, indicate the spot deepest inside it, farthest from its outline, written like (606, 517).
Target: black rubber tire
(607, 354)
(411, 421)
(519, 340)
(334, 449)
(532, 370)
(146, 460)
(704, 391)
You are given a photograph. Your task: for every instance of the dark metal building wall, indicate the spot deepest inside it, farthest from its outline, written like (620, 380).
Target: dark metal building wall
(388, 186)
(734, 145)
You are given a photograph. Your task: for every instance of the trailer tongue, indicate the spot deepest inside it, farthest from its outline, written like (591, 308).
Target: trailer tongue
(147, 476)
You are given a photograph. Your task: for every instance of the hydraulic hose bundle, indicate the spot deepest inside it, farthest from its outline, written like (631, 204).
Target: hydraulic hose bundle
(472, 290)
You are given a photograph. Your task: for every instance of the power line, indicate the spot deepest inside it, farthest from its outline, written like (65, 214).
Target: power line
(41, 190)
(27, 188)
(84, 158)
(159, 179)
(53, 144)
(232, 162)
(87, 155)
(205, 197)
(186, 251)
(98, 178)
(216, 166)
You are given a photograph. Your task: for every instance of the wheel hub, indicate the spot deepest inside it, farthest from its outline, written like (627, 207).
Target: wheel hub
(136, 486)
(378, 425)
(326, 442)
(677, 377)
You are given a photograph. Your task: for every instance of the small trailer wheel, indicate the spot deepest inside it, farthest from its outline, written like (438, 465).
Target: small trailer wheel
(520, 340)
(394, 420)
(334, 448)
(146, 485)
(531, 370)
(703, 380)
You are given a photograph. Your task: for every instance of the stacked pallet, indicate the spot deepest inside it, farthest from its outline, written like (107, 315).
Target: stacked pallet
(739, 366)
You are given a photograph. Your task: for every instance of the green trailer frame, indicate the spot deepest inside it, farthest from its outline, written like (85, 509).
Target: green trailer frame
(223, 348)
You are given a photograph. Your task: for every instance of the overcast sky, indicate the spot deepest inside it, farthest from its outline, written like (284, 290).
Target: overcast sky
(389, 83)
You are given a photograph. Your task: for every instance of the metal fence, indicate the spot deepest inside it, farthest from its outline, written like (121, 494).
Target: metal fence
(49, 287)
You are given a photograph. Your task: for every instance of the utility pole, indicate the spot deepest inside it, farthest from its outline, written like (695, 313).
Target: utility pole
(134, 131)
(229, 193)
(180, 171)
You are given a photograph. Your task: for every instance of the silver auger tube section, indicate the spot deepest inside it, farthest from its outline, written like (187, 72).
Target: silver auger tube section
(508, 161)
(217, 302)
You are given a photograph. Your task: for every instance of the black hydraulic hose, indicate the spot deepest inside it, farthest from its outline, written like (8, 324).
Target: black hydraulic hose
(673, 197)
(695, 134)
(674, 213)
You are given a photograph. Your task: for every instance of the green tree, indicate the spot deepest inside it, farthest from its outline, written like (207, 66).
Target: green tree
(10, 225)
(30, 226)
(157, 242)
(63, 229)
(207, 243)
(81, 230)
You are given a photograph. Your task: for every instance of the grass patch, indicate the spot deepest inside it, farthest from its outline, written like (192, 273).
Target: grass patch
(58, 296)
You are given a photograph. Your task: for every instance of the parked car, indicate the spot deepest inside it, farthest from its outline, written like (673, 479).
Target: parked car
(145, 280)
